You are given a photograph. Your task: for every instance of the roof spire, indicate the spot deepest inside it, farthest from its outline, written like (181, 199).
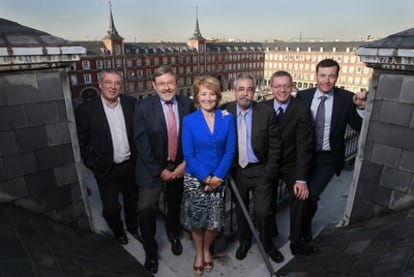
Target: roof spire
(112, 32)
(197, 33)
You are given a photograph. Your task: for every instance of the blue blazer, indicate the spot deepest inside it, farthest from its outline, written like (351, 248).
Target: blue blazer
(205, 152)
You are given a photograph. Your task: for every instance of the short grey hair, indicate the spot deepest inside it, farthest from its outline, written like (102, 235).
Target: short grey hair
(244, 75)
(110, 70)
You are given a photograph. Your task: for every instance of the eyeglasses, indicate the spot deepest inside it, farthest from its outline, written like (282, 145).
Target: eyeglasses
(286, 86)
(109, 82)
(169, 83)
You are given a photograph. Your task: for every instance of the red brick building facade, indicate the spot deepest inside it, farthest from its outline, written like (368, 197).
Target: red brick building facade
(224, 60)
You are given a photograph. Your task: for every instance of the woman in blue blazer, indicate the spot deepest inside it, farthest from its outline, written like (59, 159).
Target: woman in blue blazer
(209, 145)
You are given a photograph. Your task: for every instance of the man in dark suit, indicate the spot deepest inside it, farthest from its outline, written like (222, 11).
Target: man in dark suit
(296, 130)
(256, 163)
(106, 144)
(339, 108)
(160, 161)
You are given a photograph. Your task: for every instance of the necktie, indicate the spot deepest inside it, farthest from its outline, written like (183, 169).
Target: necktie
(320, 123)
(279, 115)
(172, 133)
(242, 141)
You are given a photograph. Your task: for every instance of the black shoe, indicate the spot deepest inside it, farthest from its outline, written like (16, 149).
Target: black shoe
(275, 255)
(303, 249)
(151, 265)
(136, 235)
(176, 247)
(122, 238)
(242, 250)
(308, 238)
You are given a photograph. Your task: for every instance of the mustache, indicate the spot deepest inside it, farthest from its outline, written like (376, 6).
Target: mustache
(244, 97)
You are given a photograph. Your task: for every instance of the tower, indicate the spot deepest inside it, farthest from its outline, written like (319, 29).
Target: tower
(113, 41)
(197, 41)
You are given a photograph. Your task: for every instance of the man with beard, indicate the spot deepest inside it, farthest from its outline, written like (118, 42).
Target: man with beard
(256, 163)
(160, 164)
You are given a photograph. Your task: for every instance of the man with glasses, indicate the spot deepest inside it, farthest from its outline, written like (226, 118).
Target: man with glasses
(106, 143)
(295, 125)
(160, 164)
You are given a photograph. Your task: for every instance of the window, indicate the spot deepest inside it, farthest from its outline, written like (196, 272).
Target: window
(130, 74)
(129, 87)
(73, 80)
(107, 63)
(73, 67)
(86, 65)
(87, 78)
(99, 64)
(117, 49)
(118, 63)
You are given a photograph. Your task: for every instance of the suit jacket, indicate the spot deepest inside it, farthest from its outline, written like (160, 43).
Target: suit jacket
(151, 138)
(94, 135)
(296, 131)
(205, 152)
(343, 113)
(265, 136)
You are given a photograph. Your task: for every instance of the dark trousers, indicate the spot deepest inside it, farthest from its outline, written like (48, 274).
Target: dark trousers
(252, 179)
(323, 169)
(119, 180)
(296, 208)
(148, 207)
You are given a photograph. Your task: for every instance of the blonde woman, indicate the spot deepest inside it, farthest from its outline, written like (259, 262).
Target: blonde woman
(209, 145)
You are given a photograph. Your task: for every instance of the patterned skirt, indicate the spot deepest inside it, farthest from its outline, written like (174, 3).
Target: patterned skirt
(202, 209)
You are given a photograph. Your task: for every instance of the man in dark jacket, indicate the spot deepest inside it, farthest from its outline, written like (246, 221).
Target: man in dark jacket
(106, 144)
(296, 130)
(332, 110)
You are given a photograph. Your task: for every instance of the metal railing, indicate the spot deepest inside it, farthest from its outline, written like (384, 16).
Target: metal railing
(228, 231)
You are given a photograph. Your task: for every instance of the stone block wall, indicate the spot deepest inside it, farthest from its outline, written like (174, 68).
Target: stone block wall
(384, 172)
(37, 159)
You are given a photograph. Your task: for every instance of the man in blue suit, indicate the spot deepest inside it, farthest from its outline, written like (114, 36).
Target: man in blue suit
(156, 166)
(106, 144)
(340, 108)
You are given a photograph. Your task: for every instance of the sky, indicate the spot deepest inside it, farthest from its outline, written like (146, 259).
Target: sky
(253, 20)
